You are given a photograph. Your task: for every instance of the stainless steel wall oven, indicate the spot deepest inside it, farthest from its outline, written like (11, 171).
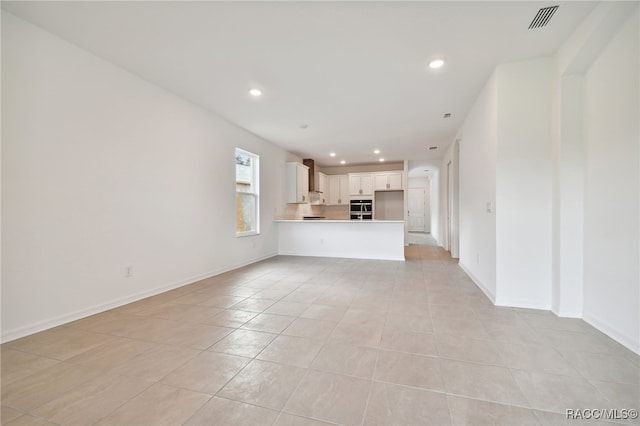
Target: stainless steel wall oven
(361, 209)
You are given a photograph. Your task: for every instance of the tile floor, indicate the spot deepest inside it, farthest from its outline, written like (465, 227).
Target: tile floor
(315, 341)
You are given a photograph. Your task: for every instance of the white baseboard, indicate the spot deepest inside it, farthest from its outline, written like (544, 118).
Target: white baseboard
(522, 303)
(513, 303)
(481, 286)
(630, 342)
(46, 324)
(566, 313)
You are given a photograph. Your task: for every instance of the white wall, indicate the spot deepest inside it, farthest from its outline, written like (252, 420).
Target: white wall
(477, 173)
(388, 205)
(611, 212)
(523, 183)
(102, 170)
(561, 135)
(451, 188)
(572, 61)
(568, 197)
(505, 186)
(362, 168)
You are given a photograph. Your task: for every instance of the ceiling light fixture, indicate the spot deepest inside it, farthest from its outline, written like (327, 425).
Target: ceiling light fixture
(381, 160)
(304, 126)
(255, 92)
(447, 115)
(433, 147)
(376, 151)
(343, 162)
(436, 63)
(332, 154)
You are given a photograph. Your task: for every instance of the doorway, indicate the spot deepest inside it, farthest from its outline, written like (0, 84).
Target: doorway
(449, 195)
(417, 210)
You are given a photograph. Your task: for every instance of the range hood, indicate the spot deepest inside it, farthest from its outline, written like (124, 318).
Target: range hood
(314, 180)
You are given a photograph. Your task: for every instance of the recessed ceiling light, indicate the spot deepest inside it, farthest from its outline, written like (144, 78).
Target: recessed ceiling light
(304, 126)
(381, 160)
(447, 115)
(376, 151)
(343, 162)
(332, 154)
(436, 63)
(255, 92)
(433, 147)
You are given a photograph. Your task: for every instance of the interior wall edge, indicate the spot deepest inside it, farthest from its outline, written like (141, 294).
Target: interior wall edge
(26, 330)
(566, 313)
(481, 286)
(522, 303)
(630, 342)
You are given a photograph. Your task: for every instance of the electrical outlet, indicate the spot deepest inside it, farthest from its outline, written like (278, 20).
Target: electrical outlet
(128, 271)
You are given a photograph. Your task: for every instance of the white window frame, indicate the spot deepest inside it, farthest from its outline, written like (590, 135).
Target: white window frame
(255, 189)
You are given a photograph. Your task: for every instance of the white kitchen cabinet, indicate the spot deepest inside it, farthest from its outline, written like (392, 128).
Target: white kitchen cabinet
(297, 183)
(360, 184)
(388, 181)
(338, 190)
(323, 187)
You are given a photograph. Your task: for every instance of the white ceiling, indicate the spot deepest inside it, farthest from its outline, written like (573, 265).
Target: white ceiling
(354, 72)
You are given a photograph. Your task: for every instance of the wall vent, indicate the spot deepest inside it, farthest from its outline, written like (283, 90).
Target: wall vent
(543, 17)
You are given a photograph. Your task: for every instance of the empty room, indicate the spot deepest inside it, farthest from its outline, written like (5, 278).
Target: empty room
(320, 213)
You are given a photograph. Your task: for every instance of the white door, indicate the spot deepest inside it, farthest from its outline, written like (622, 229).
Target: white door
(416, 210)
(449, 206)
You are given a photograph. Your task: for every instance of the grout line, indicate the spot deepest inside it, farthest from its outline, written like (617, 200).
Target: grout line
(433, 272)
(375, 366)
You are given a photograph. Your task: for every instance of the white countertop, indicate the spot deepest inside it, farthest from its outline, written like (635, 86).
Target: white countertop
(338, 221)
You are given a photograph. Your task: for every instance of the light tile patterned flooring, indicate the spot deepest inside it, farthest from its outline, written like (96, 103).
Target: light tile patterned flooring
(316, 341)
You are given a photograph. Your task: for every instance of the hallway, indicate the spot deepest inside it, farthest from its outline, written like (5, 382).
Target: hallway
(424, 246)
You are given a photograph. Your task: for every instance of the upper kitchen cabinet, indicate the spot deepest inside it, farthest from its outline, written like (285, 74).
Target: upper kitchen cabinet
(360, 184)
(323, 187)
(297, 183)
(338, 190)
(320, 196)
(388, 181)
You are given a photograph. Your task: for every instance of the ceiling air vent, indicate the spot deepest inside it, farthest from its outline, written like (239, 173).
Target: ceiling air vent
(543, 17)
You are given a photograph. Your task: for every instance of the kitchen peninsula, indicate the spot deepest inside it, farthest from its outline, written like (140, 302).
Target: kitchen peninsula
(356, 239)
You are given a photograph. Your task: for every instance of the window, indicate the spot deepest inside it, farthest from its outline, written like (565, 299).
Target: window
(247, 193)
